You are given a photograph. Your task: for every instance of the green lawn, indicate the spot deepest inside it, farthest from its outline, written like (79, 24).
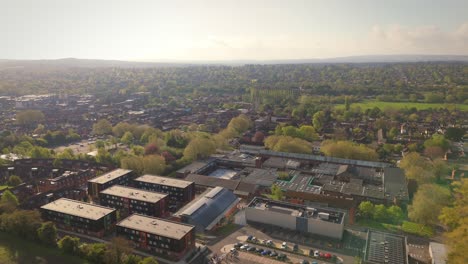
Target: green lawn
(377, 225)
(417, 229)
(14, 250)
(3, 187)
(369, 104)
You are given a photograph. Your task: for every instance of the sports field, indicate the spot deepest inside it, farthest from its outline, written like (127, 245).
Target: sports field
(369, 104)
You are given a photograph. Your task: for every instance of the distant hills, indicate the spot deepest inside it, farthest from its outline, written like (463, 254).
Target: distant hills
(91, 63)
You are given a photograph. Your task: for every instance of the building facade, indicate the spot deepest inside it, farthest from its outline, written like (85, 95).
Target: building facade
(102, 182)
(162, 237)
(320, 221)
(80, 217)
(180, 192)
(128, 200)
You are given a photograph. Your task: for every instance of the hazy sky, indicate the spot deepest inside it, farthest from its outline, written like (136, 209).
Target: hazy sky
(229, 30)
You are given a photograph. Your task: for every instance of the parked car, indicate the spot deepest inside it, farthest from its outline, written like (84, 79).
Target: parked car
(316, 253)
(327, 255)
(249, 238)
(284, 245)
(238, 245)
(269, 243)
(245, 247)
(273, 254)
(259, 250)
(281, 256)
(233, 250)
(304, 261)
(295, 247)
(251, 249)
(266, 253)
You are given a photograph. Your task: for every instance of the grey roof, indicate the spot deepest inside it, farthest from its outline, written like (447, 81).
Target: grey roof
(78, 208)
(286, 155)
(209, 207)
(156, 226)
(438, 253)
(134, 194)
(262, 177)
(395, 184)
(163, 181)
(233, 185)
(385, 248)
(110, 176)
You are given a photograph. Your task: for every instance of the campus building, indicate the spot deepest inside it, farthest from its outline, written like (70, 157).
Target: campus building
(180, 192)
(210, 209)
(384, 248)
(320, 221)
(163, 237)
(79, 216)
(100, 183)
(128, 200)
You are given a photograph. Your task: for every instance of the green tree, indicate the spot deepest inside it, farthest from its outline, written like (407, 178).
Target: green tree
(395, 214)
(69, 245)
(14, 180)
(29, 117)
(318, 120)
(276, 192)
(437, 141)
(148, 260)
(9, 201)
(102, 127)
(199, 148)
(117, 251)
(428, 203)
(380, 213)
(366, 209)
(127, 138)
(47, 234)
(94, 252)
(455, 133)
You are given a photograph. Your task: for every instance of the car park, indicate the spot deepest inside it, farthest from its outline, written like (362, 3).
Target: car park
(251, 249)
(266, 253)
(259, 250)
(273, 254)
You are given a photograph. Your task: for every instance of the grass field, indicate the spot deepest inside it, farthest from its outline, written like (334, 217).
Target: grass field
(15, 250)
(398, 105)
(417, 229)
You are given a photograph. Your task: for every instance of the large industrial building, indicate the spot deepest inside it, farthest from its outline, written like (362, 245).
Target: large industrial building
(100, 183)
(320, 221)
(129, 200)
(210, 209)
(180, 191)
(383, 248)
(163, 237)
(79, 216)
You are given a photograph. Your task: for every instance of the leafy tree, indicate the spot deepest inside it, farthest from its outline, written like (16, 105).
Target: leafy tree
(434, 152)
(428, 203)
(23, 223)
(318, 120)
(40, 153)
(199, 148)
(455, 133)
(94, 252)
(454, 216)
(288, 144)
(102, 127)
(153, 164)
(14, 180)
(117, 251)
(69, 245)
(103, 156)
(308, 133)
(132, 259)
(380, 213)
(240, 124)
(127, 138)
(276, 192)
(348, 150)
(366, 209)
(67, 153)
(258, 137)
(9, 200)
(151, 148)
(148, 260)
(437, 141)
(47, 234)
(29, 117)
(395, 214)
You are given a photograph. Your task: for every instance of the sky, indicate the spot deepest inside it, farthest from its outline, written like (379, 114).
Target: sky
(203, 30)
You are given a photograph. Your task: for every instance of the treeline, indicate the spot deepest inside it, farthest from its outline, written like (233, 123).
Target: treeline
(330, 79)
